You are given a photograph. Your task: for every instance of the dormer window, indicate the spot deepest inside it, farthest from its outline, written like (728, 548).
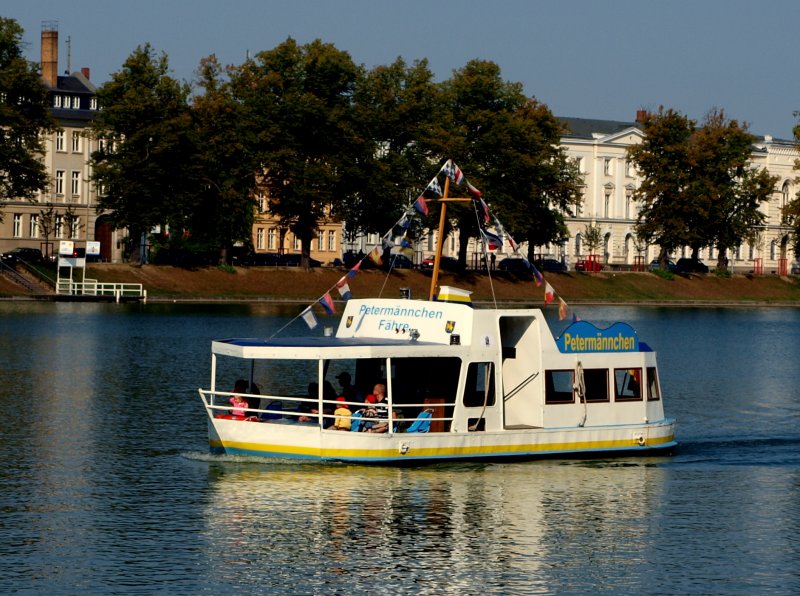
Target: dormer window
(93, 103)
(76, 103)
(56, 101)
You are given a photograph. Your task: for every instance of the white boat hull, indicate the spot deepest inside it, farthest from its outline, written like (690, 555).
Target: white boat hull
(297, 441)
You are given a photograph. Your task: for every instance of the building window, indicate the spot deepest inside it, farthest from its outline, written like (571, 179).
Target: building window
(331, 240)
(93, 103)
(628, 201)
(59, 182)
(260, 238)
(607, 205)
(272, 240)
(56, 101)
(60, 140)
(320, 240)
(75, 186)
(76, 141)
(579, 162)
(629, 171)
(298, 245)
(773, 250)
(33, 229)
(76, 103)
(607, 166)
(261, 203)
(74, 227)
(17, 233)
(59, 227)
(578, 244)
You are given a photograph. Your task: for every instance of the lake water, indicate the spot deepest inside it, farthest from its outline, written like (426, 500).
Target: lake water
(106, 484)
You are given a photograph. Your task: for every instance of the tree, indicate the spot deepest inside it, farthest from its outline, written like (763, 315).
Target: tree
(398, 118)
(698, 189)
(144, 167)
(592, 238)
(791, 212)
(24, 119)
(508, 144)
(225, 165)
(727, 192)
(663, 160)
(299, 98)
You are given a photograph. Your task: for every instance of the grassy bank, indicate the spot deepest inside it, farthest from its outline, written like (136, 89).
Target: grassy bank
(172, 283)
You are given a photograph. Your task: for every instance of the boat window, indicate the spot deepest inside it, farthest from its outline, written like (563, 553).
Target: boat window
(426, 383)
(558, 387)
(628, 384)
(653, 392)
(479, 388)
(596, 382)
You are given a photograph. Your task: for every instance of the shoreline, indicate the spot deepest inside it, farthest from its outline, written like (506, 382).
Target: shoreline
(289, 286)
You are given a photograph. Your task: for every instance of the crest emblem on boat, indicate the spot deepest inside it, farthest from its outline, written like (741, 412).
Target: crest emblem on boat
(449, 326)
(349, 321)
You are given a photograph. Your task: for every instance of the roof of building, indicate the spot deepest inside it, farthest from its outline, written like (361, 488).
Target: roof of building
(586, 128)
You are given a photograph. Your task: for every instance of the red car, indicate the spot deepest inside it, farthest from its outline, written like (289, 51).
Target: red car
(584, 265)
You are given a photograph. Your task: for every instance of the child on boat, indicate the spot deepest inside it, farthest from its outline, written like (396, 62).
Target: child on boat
(343, 414)
(239, 406)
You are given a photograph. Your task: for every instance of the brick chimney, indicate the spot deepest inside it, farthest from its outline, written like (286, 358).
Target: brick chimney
(85, 72)
(640, 116)
(50, 53)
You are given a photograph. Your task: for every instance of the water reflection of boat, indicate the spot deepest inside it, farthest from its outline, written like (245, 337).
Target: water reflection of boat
(461, 383)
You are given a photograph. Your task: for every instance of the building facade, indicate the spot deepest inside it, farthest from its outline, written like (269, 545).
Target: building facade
(66, 211)
(600, 149)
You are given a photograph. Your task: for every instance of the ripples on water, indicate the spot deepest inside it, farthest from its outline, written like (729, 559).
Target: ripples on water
(107, 484)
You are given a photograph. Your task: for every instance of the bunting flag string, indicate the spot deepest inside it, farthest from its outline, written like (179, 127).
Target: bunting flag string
(493, 240)
(327, 303)
(344, 289)
(308, 316)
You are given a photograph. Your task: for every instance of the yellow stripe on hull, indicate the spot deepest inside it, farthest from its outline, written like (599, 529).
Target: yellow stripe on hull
(446, 452)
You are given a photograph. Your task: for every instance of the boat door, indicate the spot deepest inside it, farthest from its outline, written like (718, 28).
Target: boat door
(521, 371)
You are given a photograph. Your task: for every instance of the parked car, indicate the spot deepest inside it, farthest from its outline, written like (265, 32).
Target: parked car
(22, 254)
(691, 266)
(445, 263)
(398, 261)
(550, 265)
(584, 265)
(655, 265)
(515, 265)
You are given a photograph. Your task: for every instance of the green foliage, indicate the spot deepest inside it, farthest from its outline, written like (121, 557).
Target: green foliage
(698, 189)
(508, 144)
(145, 169)
(24, 119)
(299, 99)
(592, 238)
(663, 273)
(225, 268)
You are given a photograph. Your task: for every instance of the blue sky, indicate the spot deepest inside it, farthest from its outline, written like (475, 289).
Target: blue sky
(583, 58)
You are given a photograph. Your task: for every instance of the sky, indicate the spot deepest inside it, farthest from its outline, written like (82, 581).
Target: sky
(601, 59)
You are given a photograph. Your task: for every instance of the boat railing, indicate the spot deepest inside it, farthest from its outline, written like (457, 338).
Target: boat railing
(276, 410)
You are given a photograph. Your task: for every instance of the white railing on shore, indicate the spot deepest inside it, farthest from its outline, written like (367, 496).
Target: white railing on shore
(92, 287)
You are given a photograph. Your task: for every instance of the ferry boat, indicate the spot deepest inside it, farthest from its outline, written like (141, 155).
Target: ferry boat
(438, 379)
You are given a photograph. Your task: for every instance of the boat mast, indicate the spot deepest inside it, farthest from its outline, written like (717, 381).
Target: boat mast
(440, 240)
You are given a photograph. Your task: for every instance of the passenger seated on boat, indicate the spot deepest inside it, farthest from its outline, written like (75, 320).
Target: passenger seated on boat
(348, 391)
(382, 427)
(368, 413)
(238, 402)
(239, 406)
(343, 415)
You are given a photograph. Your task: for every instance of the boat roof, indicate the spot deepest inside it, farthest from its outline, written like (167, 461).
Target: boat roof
(329, 347)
